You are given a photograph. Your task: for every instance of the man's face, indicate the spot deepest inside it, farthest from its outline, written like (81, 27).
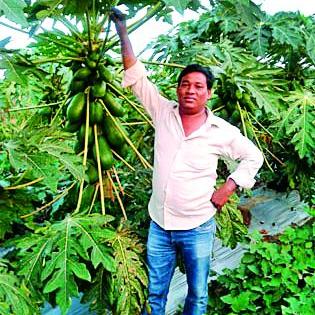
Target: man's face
(193, 93)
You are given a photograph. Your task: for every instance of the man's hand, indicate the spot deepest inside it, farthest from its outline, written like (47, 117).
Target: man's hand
(221, 195)
(119, 20)
(128, 56)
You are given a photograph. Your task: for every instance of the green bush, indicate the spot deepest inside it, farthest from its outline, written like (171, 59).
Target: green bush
(276, 276)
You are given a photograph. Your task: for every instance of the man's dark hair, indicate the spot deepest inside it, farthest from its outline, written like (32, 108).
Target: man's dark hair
(197, 68)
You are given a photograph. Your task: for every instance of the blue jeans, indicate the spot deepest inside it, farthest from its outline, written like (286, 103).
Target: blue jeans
(195, 246)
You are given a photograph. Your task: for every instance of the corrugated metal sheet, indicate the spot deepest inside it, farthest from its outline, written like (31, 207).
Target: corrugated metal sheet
(271, 211)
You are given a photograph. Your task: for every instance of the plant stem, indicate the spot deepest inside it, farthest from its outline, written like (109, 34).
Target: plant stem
(86, 142)
(33, 107)
(56, 59)
(118, 180)
(117, 195)
(99, 168)
(124, 161)
(71, 27)
(58, 43)
(24, 185)
(59, 109)
(13, 28)
(132, 104)
(259, 145)
(94, 197)
(242, 119)
(88, 29)
(49, 203)
(173, 65)
(145, 163)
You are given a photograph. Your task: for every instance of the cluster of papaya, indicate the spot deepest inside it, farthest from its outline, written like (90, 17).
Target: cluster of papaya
(95, 83)
(226, 103)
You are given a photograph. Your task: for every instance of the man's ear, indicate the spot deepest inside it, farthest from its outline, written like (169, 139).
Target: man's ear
(209, 93)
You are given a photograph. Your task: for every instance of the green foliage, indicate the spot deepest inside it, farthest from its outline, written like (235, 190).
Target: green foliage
(230, 226)
(38, 152)
(13, 10)
(298, 122)
(15, 298)
(124, 291)
(56, 256)
(275, 277)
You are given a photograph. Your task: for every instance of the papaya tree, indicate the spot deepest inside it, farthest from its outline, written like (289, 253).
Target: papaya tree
(70, 138)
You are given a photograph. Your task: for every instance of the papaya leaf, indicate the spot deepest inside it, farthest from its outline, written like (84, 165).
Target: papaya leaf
(298, 121)
(230, 226)
(13, 205)
(13, 71)
(258, 37)
(264, 100)
(310, 46)
(286, 33)
(56, 257)
(14, 296)
(179, 5)
(13, 11)
(64, 154)
(124, 290)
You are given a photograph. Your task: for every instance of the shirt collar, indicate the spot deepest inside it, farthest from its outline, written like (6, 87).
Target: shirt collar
(211, 119)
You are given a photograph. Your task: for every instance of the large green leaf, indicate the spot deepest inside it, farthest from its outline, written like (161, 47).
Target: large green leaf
(13, 10)
(179, 5)
(14, 296)
(310, 46)
(56, 257)
(298, 121)
(286, 33)
(13, 71)
(125, 290)
(259, 37)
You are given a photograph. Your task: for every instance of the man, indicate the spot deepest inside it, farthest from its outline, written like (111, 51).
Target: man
(189, 139)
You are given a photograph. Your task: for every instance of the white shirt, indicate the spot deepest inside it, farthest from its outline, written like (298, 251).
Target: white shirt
(184, 173)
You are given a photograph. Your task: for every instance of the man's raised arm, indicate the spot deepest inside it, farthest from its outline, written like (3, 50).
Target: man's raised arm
(128, 56)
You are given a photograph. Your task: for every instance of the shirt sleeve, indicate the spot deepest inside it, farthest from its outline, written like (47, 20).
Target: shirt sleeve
(146, 92)
(249, 156)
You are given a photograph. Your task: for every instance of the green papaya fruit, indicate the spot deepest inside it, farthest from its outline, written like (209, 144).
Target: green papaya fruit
(106, 155)
(82, 74)
(113, 106)
(223, 113)
(249, 130)
(105, 73)
(77, 86)
(112, 133)
(91, 63)
(87, 197)
(238, 94)
(94, 56)
(110, 61)
(45, 111)
(215, 102)
(81, 134)
(235, 118)
(76, 107)
(123, 150)
(96, 113)
(99, 89)
(72, 127)
(92, 174)
(116, 88)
